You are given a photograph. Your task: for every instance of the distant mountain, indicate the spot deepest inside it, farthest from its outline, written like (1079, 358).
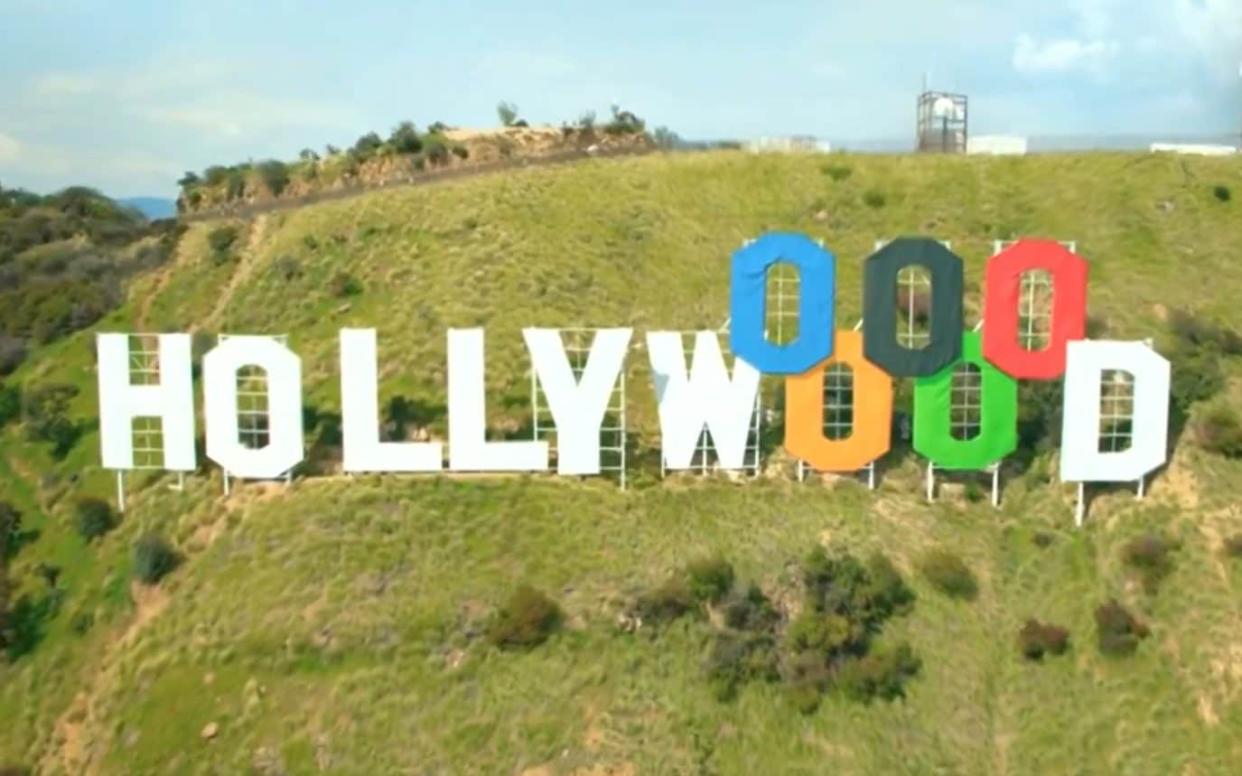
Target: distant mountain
(151, 207)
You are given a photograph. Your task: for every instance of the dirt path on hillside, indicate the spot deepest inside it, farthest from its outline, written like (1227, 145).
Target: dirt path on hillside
(79, 732)
(241, 273)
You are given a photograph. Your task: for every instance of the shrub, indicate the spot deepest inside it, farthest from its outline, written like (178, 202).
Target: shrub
(436, 151)
(737, 658)
(45, 417)
(507, 112)
(1219, 431)
(838, 172)
(1037, 639)
(461, 152)
(274, 174)
(154, 559)
(10, 403)
(366, 146)
(875, 199)
(709, 578)
(82, 622)
(287, 268)
(93, 518)
(404, 138)
(750, 610)
(1151, 556)
(840, 584)
(344, 284)
(527, 619)
(221, 240)
(1119, 631)
(949, 574)
(882, 674)
(215, 174)
(1191, 330)
(624, 122)
(667, 602)
(10, 530)
(235, 183)
(1222, 193)
(665, 138)
(1233, 546)
(12, 353)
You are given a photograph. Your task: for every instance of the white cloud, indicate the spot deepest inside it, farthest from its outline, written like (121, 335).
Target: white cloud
(64, 84)
(233, 114)
(1214, 28)
(827, 70)
(1062, 55)
(9, 148)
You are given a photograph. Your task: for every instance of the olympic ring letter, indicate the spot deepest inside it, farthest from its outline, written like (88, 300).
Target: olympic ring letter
(997, 400)
(944, 308)
(1002, 306)
(872, 411)
(748, 305)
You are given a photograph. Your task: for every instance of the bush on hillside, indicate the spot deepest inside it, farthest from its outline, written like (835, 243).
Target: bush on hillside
(710, 578)
(949, 574)
(1037, 639)
(344, 285)
(404, 138)
(882, 674)
(624, 122)
(665, 138)
(828, 645)
(1119, 632)
(837, 172)
(366, 147)
(10, 403)
(527, 619)
(235, 183)
(738, 658)
(12, 353)
(507, 112)
(665, 603)
(10, 530)
(875, 199)
(749, 610)
(435, 151)
(93, 517)
(216, 174)
(154, 559)
(1190, 329)
(1150, 555)
(1233, 546)
(461, 152)
(287, 268)
(45, 416)
(1222, 193)
(274, 174)
(221, 241)
(1219, 431)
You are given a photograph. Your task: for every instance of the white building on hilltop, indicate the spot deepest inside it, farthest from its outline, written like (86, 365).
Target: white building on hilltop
(789, 144)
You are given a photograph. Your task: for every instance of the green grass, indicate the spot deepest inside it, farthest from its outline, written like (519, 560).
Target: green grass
(338, 624)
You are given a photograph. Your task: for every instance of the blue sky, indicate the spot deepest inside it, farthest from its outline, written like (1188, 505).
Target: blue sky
(125, 96)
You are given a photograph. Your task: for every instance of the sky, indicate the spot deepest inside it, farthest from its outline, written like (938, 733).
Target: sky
(125, 96)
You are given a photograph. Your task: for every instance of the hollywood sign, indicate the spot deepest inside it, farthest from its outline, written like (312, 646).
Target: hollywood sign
(708, 394)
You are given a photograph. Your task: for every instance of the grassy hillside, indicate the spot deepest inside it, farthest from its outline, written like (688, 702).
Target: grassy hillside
(333, 626)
